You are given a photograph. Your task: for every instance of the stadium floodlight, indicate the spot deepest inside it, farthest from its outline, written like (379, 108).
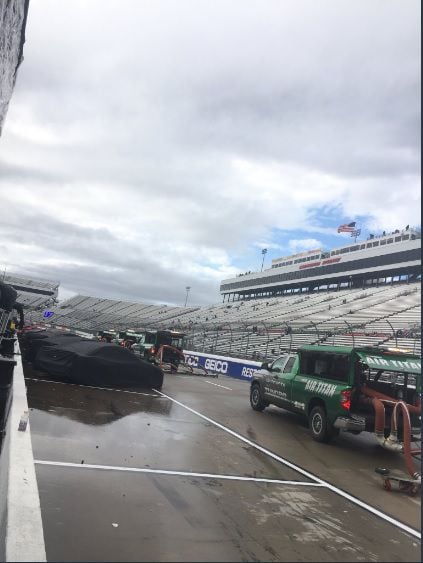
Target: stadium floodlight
(264, 252)
(186, 297)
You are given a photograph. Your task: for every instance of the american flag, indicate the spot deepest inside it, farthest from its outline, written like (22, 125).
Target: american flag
(347, 228)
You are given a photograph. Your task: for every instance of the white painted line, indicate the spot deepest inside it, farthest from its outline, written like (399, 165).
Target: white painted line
(217, 385)
(91, 387)
(171, 472)
(304, 472)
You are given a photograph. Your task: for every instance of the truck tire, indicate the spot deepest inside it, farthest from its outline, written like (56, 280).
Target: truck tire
(320, 429)
(256, 400)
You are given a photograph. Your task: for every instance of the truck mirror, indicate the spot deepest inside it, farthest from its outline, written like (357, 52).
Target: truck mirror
(264, 365)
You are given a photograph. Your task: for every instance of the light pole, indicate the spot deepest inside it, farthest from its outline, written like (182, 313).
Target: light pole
(186, 297)
(264, 252)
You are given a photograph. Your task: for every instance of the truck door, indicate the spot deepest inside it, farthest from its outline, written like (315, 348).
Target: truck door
(275, 382)
(289, 372)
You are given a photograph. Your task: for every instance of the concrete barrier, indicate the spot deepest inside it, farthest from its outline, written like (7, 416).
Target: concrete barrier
(21, 530)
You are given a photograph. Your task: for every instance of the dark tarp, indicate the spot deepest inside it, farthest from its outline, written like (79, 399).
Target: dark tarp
(32, 340)
(96, 363)
(7, 296)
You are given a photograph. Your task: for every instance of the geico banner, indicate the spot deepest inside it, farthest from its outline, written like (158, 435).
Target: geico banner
(241, 369)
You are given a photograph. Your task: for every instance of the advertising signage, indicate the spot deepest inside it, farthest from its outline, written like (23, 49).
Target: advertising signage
(233, 367)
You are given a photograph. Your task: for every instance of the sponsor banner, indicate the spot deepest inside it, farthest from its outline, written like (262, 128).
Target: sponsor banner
(410, 365)
(233, 367)
(331, 261)
(309, 265)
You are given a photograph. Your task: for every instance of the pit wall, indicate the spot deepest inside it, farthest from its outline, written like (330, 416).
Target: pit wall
(21, 534)
(233, 367)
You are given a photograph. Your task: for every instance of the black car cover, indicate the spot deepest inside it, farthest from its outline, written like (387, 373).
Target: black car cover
(95, 363)
(8, 296)
(33, 340)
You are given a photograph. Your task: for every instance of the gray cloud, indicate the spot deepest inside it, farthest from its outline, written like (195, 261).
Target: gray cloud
(96, 260)
(148, 143)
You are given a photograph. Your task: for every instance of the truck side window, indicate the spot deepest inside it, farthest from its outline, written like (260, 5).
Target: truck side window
(339, 368)
(277, 365)
(320, 367)
(307, 364)
(289, 364)
(327, 366)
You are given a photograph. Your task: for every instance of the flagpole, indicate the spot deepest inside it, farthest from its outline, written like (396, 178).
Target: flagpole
(356, 233)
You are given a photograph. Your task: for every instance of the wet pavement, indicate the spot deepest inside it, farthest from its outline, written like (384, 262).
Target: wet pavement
(123, 489)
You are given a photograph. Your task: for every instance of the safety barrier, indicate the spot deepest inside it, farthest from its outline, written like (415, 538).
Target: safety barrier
(233, 367)
(21, 530)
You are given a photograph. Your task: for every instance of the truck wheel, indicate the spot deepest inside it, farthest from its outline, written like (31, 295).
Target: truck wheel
(255, 398)
(320, 429)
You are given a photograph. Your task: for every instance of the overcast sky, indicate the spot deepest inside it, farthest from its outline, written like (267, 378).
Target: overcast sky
(154, 145)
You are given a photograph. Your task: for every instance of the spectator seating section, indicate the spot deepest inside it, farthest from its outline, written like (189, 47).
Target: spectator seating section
(263, 328)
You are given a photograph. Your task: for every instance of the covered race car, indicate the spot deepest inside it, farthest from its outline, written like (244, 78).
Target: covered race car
(76, 360)
(32, 340)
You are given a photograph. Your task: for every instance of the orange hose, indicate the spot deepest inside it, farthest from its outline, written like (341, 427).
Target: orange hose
(378, 395)
(407, 437)
(380, 415)
(377, 400)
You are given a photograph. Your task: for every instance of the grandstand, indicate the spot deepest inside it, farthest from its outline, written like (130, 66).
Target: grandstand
(378, 316)
(385, 315)
(33, 293)
(92, 314)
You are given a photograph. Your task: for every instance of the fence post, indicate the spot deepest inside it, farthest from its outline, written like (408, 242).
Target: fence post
(204, 337)
(191, 336)
(215, 342)
(289, 331)
(290, 338)
(393, 332)
(351, 332)
(267, 343)
(230, 343)
(248, 340)
(316, 329)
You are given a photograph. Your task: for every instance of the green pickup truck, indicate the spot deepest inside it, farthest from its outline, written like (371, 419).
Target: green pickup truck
(335, 388)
